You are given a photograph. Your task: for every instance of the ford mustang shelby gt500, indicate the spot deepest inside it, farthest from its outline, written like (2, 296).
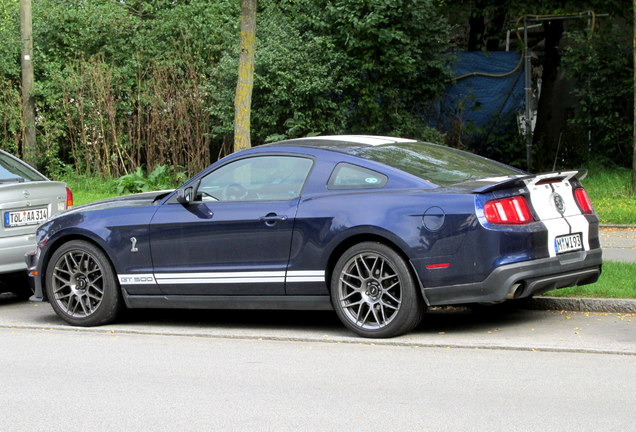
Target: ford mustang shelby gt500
(376, 228)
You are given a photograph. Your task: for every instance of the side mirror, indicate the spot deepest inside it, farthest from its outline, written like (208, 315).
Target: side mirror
(184, 196)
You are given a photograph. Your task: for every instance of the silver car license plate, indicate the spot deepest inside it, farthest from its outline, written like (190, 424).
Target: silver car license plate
(25, 217)
(568, 243)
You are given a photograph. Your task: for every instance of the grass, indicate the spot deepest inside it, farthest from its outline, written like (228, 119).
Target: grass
(618, 280)
(88, 189)
(609, 191)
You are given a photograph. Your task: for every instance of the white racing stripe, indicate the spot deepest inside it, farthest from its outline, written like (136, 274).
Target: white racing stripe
(222, 277)
(219, 277)
(359, 139)
(571, 221)
(306, 276)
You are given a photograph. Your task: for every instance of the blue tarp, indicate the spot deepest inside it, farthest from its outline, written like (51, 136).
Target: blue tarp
(481, 100)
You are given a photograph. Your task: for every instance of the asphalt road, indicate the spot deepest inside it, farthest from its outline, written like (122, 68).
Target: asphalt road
(73, 381)
(290, 371)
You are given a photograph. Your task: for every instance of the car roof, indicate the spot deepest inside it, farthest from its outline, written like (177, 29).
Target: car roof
(334, 141)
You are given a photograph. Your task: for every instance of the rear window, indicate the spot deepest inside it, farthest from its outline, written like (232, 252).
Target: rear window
(347, 176)
(435, 163)
(12, 170)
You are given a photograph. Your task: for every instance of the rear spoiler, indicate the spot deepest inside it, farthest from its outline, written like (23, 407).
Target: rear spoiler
(528, 180)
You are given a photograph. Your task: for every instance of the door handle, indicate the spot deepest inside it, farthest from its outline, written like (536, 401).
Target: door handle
(272, 218)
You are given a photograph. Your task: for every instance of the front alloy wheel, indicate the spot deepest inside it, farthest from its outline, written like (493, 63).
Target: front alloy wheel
(81, 285)
(374, 292)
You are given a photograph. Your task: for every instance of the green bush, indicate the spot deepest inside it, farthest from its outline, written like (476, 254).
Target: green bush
(161, 178)
(601, 65)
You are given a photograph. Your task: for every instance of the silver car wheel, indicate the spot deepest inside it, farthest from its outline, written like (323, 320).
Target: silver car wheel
(78, 283)
(370, 291)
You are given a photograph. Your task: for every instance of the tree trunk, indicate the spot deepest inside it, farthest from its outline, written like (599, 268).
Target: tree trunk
(496, 27)
(477, 29)
(551, 109)
(245, 82)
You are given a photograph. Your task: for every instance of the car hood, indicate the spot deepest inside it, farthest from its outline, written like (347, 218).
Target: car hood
(133, 200)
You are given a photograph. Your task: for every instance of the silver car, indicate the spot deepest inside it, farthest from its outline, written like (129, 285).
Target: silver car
(27, 199)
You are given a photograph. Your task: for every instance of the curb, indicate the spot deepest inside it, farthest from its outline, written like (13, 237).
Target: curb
(400, 341)
(617, 226)
(626, 306)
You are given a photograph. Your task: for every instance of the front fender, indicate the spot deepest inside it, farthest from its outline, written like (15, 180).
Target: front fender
(121, 233)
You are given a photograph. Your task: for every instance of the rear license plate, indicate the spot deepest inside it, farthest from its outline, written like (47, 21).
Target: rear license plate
(568, 243)
(25, 217)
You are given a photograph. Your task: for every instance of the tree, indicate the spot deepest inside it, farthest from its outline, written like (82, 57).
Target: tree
(28, 105)
(585, 102)
(391, 61)
(634, 68)
(245, 81)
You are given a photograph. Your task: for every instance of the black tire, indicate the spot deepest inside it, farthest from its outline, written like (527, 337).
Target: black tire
(81, 285)
(16, 283)
(21, 286)
(374, 292)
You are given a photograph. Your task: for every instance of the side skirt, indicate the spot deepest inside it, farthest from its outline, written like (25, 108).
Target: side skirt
(227, 302)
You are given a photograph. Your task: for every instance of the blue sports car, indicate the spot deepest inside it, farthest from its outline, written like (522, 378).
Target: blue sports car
(376, 228)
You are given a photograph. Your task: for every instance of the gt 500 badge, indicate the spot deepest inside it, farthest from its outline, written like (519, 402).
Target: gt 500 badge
(139, 279)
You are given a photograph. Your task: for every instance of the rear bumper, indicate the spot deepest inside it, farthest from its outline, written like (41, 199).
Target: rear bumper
(12, 250)
(522, 279)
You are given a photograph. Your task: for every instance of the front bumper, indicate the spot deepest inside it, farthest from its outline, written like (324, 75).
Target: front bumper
(32, 258)
(522, 279)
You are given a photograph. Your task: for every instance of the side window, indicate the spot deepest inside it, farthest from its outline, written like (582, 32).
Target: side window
(259, 178)
(348, 176)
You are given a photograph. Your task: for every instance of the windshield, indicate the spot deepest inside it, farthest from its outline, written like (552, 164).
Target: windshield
(435, 163)
(12, 170)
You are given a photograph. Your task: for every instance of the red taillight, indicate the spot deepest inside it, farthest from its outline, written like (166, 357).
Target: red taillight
(512, 211)
(583, 200)
(69, 198)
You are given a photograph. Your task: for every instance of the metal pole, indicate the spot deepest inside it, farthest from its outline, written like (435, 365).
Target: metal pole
(528, 93)
(28, 105)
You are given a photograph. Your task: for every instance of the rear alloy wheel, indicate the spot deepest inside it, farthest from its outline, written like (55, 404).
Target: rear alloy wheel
(374, 292)
(81, 285)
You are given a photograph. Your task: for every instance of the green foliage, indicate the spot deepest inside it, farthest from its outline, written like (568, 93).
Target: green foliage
(10, 117)
(126, 84)
(162, 177)
(311, 77)
(9, 39)
(391, 61)
(119, 84)
(601, 64)
(295, 79)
